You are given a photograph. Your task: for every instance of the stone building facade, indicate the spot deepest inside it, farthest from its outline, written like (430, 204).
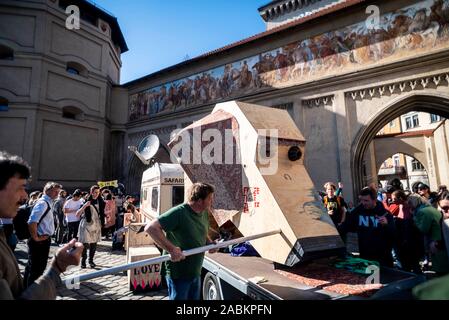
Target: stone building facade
(57, 87)
(342, 75)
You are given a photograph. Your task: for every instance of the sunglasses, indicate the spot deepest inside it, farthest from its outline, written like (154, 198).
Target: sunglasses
(445, 209)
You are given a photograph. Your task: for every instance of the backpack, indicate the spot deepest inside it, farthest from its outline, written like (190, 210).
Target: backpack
(20, 221)
(326, 200)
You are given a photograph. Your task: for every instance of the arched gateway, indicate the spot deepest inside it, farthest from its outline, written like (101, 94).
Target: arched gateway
(431, 103)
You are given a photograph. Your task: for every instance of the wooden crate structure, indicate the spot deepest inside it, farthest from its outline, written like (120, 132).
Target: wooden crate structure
(134, 238)
(147, 278)
(259, 187)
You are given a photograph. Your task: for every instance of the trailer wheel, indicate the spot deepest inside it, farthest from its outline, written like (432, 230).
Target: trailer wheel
(211, 289)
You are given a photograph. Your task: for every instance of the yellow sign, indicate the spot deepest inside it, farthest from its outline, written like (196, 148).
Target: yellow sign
(113, 183)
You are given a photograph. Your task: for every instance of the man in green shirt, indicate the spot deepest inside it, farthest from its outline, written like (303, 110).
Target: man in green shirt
(428, 220)
(186, 227)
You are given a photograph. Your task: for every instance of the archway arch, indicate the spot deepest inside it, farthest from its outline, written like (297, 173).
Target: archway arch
(435, 104)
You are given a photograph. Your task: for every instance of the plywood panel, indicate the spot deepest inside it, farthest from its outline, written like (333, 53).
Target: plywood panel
(264, 200)
(144, 278)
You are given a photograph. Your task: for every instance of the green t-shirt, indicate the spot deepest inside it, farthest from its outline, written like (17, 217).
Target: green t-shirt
(185, 229)
(427, 219)
(436, 289)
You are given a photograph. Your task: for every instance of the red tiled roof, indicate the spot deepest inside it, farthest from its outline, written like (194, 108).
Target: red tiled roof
(427, 133)
(331, 9)
(320, 13)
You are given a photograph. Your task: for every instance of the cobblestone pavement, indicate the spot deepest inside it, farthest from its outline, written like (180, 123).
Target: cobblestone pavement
(111, 287)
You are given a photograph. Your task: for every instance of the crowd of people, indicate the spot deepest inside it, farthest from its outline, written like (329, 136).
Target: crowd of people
(396, 227)
(76, 222)
(85, 216)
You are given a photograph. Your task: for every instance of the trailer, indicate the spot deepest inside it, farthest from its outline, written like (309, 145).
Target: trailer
(250, 277)
(162, 188)
(240, 278)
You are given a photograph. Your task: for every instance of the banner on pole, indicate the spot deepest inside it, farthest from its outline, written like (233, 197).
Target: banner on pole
(113, 183)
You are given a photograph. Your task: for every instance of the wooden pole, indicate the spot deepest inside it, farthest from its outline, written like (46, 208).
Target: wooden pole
(142, 263)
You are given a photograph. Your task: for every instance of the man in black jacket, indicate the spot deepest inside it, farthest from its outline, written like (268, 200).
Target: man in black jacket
(374, 226)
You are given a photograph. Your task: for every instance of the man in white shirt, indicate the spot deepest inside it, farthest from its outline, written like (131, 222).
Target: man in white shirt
(42, 226)
(70, 209)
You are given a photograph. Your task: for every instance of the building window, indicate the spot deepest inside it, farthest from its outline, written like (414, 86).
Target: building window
(6, 53)
(434, 118)
(396, 161)
(76, 68)
(417, 166)
(415, 119)
(392, 124)
(154, 198)
(177, 195)
(412, 122)
(4, 104)
(73, 113)
(72, 70)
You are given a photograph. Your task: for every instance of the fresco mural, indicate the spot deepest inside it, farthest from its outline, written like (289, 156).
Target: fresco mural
(420, 28)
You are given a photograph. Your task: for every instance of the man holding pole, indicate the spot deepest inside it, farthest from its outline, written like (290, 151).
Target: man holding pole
(186, 227)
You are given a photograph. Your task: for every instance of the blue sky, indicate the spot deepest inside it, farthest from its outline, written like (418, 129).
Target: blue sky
(161, 33)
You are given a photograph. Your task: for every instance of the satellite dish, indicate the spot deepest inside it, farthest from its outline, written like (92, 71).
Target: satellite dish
(149, 146)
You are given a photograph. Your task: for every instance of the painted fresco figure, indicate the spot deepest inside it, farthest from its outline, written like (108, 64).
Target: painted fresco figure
(245, 76)
(280, 64)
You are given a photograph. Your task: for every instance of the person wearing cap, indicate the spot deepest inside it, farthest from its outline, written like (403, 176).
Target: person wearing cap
(34, 196)
(41, 226)
(70, 209)
(431, 197)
